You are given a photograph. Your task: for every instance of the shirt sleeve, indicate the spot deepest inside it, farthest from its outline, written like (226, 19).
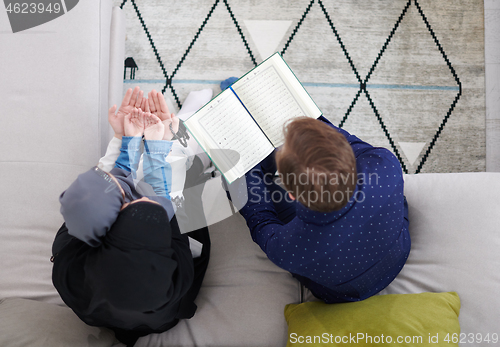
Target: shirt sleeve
(130, 154)
(157, 171)
(107, 162)
(259, 211)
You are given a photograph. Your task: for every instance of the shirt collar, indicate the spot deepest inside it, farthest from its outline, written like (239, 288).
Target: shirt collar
(322, 218)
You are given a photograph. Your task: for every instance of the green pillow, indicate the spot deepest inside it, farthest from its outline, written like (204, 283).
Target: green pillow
(395, 319)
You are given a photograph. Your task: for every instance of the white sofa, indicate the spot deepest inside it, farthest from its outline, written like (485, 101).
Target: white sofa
(53, 127)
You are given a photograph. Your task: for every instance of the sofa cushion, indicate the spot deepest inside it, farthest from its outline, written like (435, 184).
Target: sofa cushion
(455, 237)
(402, 319)
(55, 88)
(454, 228)
(243, 294)
(29, 323)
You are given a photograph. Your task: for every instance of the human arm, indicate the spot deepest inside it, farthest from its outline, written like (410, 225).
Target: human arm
(157, 171)
(180, 157)
(107, 162)
(133, 98)
(259, 210)
(130, 149)
(157, 106)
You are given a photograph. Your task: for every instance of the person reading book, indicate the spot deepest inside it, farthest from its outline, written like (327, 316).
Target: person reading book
(120, 260)
(242, 125)
(341, 225)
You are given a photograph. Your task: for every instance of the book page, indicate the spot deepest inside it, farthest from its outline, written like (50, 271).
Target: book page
(269, 101)
(228, 134)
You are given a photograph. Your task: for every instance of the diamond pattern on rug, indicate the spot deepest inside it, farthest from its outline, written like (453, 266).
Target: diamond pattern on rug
(377, 69)
(411, 150)
(267, 34)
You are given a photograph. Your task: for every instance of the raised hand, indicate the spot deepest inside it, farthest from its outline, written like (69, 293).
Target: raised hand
(174, 121)
(145, 105)
(153, 127)
(134, 123)
(158, 105)
(132, 99)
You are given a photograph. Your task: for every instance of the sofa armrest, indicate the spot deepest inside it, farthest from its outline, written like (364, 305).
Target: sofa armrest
(116, 66)
(54, 92)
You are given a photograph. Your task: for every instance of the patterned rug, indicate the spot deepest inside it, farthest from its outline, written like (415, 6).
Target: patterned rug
(407, 75)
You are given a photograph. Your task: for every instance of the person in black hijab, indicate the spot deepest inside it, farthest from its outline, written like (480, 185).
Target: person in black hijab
(120, 260)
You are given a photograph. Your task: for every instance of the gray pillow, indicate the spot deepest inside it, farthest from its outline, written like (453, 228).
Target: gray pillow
(29, 323)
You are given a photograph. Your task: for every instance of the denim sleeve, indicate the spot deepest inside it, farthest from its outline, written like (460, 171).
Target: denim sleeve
(157, 171)
(130, 154)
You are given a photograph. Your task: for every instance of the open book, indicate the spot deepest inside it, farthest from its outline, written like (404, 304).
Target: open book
(242, 125)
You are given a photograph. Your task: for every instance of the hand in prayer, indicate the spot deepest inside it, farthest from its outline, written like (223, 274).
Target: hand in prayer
(158, 106)
(154, 129)
(133, 99)
(134, 123)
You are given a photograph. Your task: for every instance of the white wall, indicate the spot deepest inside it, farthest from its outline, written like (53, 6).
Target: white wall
(492, 65)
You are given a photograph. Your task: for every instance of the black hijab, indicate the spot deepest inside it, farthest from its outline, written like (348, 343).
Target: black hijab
(91, 205)
(137, 275)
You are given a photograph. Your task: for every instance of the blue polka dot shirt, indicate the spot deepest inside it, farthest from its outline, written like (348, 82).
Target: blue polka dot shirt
(345, 255)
